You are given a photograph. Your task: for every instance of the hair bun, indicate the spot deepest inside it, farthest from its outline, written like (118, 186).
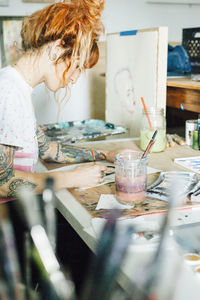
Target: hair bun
(94, 7)
(76, 23)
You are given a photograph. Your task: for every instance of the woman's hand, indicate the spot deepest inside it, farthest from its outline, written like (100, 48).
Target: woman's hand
(110, 155)
(88, 176)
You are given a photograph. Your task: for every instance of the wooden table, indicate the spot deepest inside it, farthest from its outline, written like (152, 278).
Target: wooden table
(78, 206)
(183, 93)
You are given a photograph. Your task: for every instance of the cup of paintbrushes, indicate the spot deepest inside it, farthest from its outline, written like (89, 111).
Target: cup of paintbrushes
(153, 119)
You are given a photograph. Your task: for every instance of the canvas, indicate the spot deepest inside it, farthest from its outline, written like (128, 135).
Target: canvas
(136, 67)
(10, 40)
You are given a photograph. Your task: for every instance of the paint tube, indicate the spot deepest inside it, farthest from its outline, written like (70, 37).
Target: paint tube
(178, 139)
(170, 141)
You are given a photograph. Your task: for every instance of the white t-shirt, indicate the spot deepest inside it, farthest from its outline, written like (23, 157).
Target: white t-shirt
(17, 118)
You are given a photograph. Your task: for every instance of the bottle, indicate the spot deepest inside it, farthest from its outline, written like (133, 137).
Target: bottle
(195, 144)
(156, 121)
(190, 126)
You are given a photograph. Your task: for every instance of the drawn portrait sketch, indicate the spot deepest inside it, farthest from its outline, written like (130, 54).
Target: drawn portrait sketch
(134, 70)
(124, 89)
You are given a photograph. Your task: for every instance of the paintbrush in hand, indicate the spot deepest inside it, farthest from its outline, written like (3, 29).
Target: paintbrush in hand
(93, 157)
(150, 144)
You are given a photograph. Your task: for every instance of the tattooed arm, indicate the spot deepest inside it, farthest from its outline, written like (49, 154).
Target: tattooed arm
(6, 163)
(55, 152)
(8, 180)
(11, 180)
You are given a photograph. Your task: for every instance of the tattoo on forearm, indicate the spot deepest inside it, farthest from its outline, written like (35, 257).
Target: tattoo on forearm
(58, 151)
(6, 163)
(73, 154)
(43, 142)
(16, 184)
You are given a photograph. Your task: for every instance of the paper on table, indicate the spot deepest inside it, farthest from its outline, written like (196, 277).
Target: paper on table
(195, 198)
(108, 201)
(190, 163)
(152, 170)
(107, 179)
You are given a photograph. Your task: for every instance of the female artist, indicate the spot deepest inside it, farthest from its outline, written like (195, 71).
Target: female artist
(58, 42)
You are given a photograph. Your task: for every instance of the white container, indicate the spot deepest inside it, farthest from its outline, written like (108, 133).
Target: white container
(197, 271)
(190, 126)
(192, 259)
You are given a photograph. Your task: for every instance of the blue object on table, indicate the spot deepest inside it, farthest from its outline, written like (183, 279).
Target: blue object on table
(178, 61)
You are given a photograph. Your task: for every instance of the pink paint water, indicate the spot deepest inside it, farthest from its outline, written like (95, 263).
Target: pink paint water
(130, 190)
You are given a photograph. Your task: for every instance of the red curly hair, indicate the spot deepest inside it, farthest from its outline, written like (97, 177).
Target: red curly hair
(76, 23)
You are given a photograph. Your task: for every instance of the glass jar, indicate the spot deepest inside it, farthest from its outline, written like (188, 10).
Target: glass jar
(130, 177)
(155, 121)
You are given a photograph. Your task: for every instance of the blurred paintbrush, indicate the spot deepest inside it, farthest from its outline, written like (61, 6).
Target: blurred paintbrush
(175, 199)
(8, 255)
(120, 246)
(64, 288)
(98, 264)
(49, 210)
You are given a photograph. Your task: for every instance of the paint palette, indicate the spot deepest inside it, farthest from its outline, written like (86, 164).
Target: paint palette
(76, 131)
(191, 163)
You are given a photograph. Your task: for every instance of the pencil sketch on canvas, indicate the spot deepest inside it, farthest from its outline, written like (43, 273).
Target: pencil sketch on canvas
(11, 40)
(136, 67)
